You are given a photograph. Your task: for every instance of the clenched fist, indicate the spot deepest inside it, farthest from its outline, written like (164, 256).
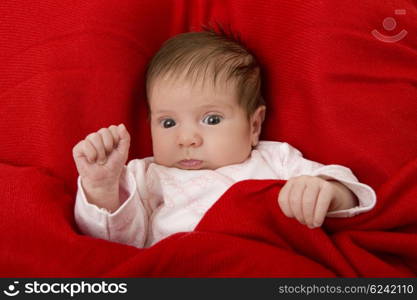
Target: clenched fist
(100, 159)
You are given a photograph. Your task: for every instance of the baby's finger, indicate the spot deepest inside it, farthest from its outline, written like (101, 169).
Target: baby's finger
(115, 134)
(96, 140)
(107, 138)
(296, 201)
(322, 205)
(124, 142)
(283, 199)
(78, 152)
(309, 203)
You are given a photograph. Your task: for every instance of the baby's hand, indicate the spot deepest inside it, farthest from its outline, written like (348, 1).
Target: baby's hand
(101, 156)
(309, 198)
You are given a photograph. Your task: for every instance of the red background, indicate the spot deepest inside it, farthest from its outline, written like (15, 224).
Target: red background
(68, 68)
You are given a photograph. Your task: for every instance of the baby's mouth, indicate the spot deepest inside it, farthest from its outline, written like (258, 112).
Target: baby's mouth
(190, 163)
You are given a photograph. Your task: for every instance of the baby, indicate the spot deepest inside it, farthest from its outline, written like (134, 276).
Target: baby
(206, 113)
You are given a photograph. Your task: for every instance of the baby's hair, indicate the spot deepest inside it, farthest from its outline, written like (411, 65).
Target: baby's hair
(212, 53)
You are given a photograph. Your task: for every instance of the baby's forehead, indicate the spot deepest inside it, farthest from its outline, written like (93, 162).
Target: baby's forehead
(205, 82)
(169, 93)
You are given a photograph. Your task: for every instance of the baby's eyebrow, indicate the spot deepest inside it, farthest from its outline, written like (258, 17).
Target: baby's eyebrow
(200, 108)
(162, 111)
(216, 106)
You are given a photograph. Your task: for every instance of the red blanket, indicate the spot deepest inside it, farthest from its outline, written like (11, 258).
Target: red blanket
(244, 234)
(333, 89)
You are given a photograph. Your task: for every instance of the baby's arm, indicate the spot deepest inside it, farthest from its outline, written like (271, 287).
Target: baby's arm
(107, 203)
(332, 189)
(127, 225)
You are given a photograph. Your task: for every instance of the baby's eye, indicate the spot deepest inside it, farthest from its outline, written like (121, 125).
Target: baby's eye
(212, 119)
(168, 123)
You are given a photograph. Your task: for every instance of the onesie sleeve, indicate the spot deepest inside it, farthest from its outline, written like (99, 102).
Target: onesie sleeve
(291, 163)
(127, 225)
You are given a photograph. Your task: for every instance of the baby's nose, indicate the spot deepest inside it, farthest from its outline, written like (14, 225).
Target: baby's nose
(190, 140)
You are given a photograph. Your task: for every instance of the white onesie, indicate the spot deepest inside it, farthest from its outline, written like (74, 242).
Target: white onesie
(163, 201)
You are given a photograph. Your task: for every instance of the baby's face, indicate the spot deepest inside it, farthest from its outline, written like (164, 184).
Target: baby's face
(199, 126)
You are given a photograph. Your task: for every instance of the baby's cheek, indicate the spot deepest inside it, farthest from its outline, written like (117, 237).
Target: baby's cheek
(160, 149)
(232, 149)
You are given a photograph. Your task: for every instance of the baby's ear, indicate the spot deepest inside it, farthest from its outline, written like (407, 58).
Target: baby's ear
(256, 120)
